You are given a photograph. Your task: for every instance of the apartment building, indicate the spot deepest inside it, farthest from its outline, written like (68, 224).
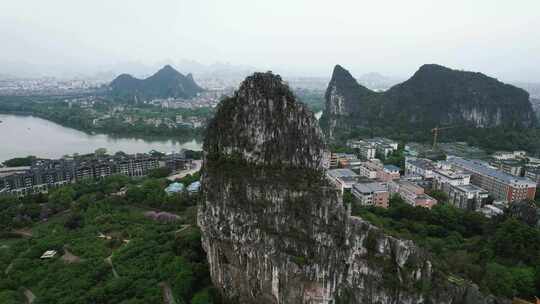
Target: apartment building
(468, 197)
(45, 174)
(443, 179)
(342, 179)
(411, 193)
(419, 166)
(365, 149)
(533, 173)
(370, 169)
(500, 185)
(388, 173)
(510, 166)
(371, 194)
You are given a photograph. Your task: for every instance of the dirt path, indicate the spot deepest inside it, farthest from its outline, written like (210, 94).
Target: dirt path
(69, 257)
(168, 297)
(184, 227)
(108, 260)
(23, 232)
(8, 268)
(30, 297)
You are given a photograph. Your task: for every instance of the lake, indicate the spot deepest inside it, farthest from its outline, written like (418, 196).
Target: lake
(28, 135)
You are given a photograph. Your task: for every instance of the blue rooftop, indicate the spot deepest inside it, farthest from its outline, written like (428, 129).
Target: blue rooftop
(391, 168)
(175, 188)
(194, 187)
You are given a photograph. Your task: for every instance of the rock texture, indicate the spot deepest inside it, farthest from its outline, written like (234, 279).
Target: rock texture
(275, 232)
(165, 83)
(433, 96)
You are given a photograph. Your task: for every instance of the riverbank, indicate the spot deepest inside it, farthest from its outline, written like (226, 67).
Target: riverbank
(29, 135)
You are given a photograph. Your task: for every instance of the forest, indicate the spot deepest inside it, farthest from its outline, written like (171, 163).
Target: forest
(501, 255)
(110, 248)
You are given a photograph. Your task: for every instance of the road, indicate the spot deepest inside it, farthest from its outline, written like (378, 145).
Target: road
(196, 166)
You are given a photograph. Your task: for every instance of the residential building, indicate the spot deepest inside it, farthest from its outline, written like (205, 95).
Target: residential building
(490, 211)
(343, 179)
(384, 146)
(373, 147)
(412, 194)
(370, 169)
(509, 166)
(506, 155)
(424, 200)
(500, 185)
(366, 150)
(443, 179)
(45, 174)
(468, 197)
(533, 173)
(388, 173)
(419, 166)
(371, 194)
(340, 158)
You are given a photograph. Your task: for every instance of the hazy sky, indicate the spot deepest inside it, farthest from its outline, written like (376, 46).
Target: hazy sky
(498, 37)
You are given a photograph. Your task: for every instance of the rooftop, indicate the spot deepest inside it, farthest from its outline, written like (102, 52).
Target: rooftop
(470, 188)
(370, 187)
(341, 173)
(391, 168)
(480, 168)
(175, 187)
(451, 173)
(421, 163)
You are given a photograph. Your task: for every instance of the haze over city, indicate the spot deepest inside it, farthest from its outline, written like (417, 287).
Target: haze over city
(68, 38)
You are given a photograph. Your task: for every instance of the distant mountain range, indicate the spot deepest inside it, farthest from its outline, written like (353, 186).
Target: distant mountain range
(167, 82)
(433, 96)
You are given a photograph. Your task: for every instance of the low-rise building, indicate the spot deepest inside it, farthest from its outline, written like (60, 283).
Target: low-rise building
(370, 169)
(468, 197)
(340, 158)
(506, 155)
(365, 149)
(490, 211)
(370, 148)
(388, 173)
(443, 179)
(384, 146)
(371, 194)
(419, 166)
(343, 179)
(412, 194)
(511, 166)
(533, 173)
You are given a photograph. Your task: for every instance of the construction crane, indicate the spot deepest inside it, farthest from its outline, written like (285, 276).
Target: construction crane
(435, 132)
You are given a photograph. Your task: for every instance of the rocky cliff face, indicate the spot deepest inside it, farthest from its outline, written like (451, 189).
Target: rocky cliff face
(433, 96)
(275, 232)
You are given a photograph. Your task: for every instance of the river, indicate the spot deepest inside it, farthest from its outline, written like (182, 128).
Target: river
(28, 135)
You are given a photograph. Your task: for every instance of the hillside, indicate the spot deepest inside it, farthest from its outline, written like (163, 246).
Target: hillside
(433, 96)
(167, 82)
(275, 231)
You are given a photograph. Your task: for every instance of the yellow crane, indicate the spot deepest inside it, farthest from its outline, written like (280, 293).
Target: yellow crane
(435, 132)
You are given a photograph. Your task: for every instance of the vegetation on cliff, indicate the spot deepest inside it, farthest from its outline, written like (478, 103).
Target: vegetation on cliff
(478, 108)
(165, 83)
(501, 255)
